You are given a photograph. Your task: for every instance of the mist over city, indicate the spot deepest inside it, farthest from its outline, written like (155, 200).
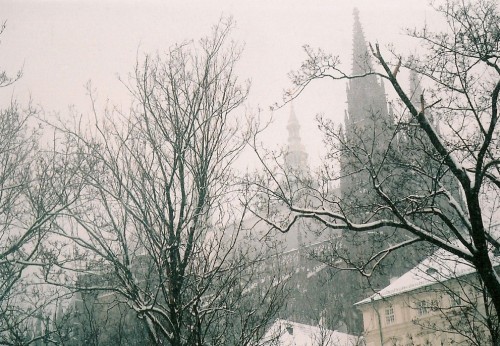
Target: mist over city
(246, 173)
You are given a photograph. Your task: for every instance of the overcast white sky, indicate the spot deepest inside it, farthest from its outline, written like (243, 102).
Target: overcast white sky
(63, 44)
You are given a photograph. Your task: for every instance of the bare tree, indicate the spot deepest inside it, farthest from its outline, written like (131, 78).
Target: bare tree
(34, 188)
(158, 223)
(429, 174)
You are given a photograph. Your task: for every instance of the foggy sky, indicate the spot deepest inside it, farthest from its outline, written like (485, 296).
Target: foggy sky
(63, 44)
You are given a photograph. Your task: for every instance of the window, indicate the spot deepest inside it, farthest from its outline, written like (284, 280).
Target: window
(432, 271)
(422, 308)
(389, 315)
(455, 299)
(434, 305)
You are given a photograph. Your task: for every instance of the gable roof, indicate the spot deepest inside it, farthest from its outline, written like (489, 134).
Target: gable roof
(287, 333)
(439, 267)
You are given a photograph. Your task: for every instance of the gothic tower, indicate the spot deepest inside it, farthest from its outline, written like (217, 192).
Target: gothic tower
(368, 125)
(296, 162)
(296, 156)
(418, 147)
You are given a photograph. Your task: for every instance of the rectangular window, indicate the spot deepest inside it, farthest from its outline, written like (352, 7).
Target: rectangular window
(455, 299)
(389, 315)
(434, 305)
(422, 308)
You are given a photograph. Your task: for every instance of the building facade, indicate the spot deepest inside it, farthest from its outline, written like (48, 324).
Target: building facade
(438, 302)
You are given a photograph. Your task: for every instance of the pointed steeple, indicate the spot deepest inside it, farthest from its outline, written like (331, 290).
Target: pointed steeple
(361, 59)
(296, 156)
(365, 96)
(368, 123)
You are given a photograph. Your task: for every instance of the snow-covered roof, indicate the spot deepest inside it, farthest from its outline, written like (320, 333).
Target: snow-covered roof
(286, 333)
(439, 267)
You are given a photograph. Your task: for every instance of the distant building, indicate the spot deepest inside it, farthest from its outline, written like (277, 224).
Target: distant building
(438, 302)
(287, 333)
(318, 291)
(318, 294)
(380, 148)
(98, 317)
(368, 127)
(376, 151)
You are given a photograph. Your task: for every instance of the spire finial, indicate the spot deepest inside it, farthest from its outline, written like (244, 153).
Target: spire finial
(355, 13)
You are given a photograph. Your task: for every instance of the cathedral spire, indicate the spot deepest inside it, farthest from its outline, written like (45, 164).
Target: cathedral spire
(361, 61)
(296, 156)
(365, 96)
(368, 123)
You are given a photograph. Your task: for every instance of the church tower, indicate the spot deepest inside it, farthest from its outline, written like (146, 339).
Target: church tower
(419, 147)
(368, 124)
(296, 164)
(296, 156)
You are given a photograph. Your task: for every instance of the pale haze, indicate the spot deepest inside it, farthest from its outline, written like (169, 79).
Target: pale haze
(61, 45)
